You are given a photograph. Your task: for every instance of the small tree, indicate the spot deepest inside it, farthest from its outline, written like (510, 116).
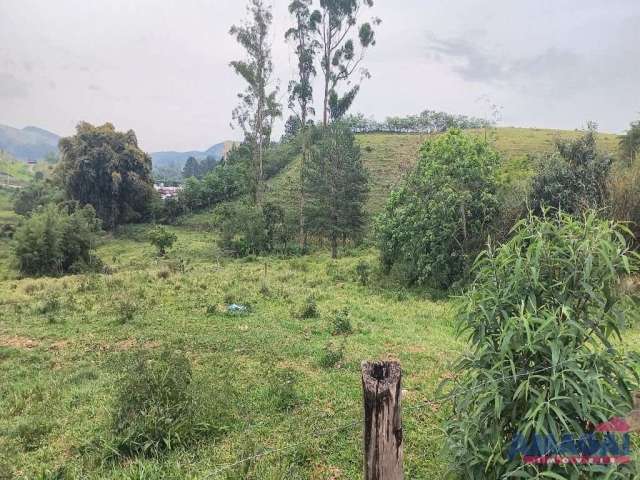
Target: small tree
(162, 239)
(335, 25)
(542, 318)
(258, 104)
(435, 224)
(57, 240)
(336, 182)
(574, 179)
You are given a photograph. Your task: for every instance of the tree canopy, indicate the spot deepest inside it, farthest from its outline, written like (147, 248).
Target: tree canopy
(438, 220)
(106, 169)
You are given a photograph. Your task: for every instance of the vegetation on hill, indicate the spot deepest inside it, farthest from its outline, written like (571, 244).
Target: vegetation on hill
(233, 351)
(388, 157)
(106, 169)
(29, 143)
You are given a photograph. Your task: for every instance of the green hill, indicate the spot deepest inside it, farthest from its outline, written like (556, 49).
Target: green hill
(388, 156)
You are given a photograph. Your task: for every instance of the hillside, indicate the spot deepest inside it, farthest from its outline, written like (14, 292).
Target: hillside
(177, 159)
(389, 156)
(29, 143)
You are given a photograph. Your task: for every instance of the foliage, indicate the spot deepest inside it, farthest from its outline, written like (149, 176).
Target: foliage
(162, 239)
(36, 194)
(542, 316)
(574, 179)
(250, 230)
(154, 408)
(228, 180)
(429, 121)
(333, 26)
(301, 35)
(198, 168)
(363, 271)
(437, 221)
(624, 193)
(309, 308)
(106, 168)
(342, 323)
(258, 105)
(57, 240)
(630, 143)
(332, 356)
(336, 184)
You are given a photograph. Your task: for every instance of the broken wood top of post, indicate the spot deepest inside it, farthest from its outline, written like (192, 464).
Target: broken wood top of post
(380, 376)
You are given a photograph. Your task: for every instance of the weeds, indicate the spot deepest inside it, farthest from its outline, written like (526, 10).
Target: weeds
(341, 323)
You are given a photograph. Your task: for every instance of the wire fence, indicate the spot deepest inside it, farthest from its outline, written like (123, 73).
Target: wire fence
(411, 408)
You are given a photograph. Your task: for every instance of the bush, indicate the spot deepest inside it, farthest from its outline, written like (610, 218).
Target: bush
(331, 356)
(249, 230)
(309, 308)
(624, 190)
(154, 408)
(542, 317)
(54, 241)
(574, 179)
(162, 239)
(436, 223)
(341, 323)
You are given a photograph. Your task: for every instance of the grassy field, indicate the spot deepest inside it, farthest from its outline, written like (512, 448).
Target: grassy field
(63, 343)
(389, 156)
(66, 343)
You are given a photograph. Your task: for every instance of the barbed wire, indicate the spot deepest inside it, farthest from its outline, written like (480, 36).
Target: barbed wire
(410, 408)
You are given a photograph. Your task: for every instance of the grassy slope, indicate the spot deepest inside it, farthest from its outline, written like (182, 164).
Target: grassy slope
(60, 369)
(389, 156)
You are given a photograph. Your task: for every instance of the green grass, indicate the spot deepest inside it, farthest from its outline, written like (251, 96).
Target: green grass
(64, 341)
(389, 156)
(63, 344)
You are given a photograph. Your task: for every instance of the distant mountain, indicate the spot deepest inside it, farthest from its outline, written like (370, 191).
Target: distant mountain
(177, 159)
(29, 143)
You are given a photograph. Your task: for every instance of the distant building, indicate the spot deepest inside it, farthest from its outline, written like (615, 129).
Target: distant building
(166, 192)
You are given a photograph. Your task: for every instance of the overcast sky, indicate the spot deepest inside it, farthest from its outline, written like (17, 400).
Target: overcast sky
(160, 67)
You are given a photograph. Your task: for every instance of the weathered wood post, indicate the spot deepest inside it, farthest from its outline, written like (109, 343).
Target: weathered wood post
(382, 421)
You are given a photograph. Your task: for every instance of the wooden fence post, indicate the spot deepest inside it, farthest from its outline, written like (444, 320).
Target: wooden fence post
(382, 421)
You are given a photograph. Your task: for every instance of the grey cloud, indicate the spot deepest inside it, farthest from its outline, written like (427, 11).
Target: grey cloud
(12, 87)
(95, 88)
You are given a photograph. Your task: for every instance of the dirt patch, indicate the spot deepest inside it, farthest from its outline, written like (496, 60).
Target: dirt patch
(59, 345)
(18, 342)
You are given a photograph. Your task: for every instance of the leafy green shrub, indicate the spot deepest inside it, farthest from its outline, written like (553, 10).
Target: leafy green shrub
(543, 318)
(154, 407)
(162, 239)
(363, 270)
(341, 323)
(309, 308)
(436, 223)
(331, 356)
(54, 241)
(573, 179)
(249, 230)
